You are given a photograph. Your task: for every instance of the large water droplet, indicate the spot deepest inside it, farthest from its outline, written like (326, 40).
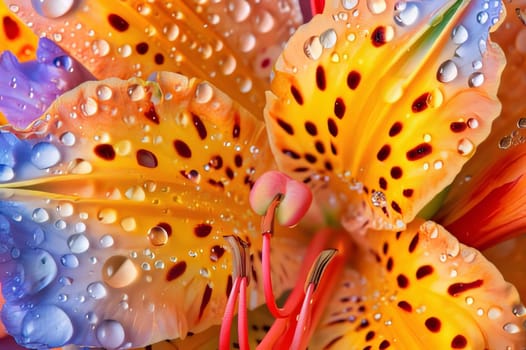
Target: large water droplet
(157, 236)
(447, 71)
(460, 34)
(46, 326)
(96, 290)
(349, 4)
(68, 138)
(408, 14)
(203, 93)
(52, 8)
(89, 107)
(119, 271)
(70, 261)
(376, 6)
(312, 48)
(78, 243)
(44, 155)
(106, 241)
(465, 147)
(6, 173)
(39, 270)
(110, 334)
(104, 92)
(40, 215)
(171, 32)
(328, 38)
(476, 79)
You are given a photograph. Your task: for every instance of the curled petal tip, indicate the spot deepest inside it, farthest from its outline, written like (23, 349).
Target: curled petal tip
(295, 201)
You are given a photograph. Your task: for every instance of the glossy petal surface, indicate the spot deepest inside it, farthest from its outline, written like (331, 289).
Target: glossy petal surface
(382, 105)
(16, 36)
(418, 289)
(121, 193)
(233, 45)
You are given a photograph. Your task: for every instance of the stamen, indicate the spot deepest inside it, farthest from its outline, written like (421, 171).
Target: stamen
(241, 266)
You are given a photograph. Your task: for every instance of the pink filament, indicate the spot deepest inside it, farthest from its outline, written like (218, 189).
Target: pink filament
(228, 316)
(298, 341)
(242, 316)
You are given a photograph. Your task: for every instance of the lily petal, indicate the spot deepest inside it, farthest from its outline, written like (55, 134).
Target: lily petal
(378, 104)
(421, 288)
(486, 202)
(134, 38)
(16, 36)
(122, 192)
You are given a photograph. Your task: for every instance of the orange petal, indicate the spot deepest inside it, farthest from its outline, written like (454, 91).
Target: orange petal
(486, 203)
(383, 105)
(195, 38)
(16, 36)
(126, 189)
(420, 289)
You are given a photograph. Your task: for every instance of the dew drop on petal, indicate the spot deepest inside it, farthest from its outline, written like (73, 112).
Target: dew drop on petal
(96, 290)
(52, 8)
(203, 93)
(40, 215)
(44, 155)
(6, 173)
(460, 34)
(78, 243)
(119, 271)
(68, 138)
(69, 261)
(465, 147)
(110, 334)
(157, 236)
(106, 241)
(104, 92)
(447, 71)
(38, 322)
(408, 14)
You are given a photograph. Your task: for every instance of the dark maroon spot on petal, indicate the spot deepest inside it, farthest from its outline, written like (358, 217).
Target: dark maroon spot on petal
(236, 130)
(141, 48)
(320, 147)
(320, 78)
(310, 158)
(333, 128)
(105, 151)
(146, 158)
(167, 227)
(216, 183)
(459, 342)
(333, 341)
(419, 152)
(182, 149)
(158, 58)
(229, 173)
(404, 305)
(378, 37)
(118, 23)
(396, 207)
(396, 172)
(458, 288)
(339, 108)
(216, 252)
(334, 150)
(238, 160)
(408, 192)
(311, 128)
(328, 166)
(420, 104)
(385, 248)
(402, 281)
(152, 115)
(300, 169)
(291, 154)
(192, 175)
(216, 162)
(424, 271)
(369, 336)
(383, 183)
(176, 271)
(11, 28)
(265, 63)
(363, 324)
(398, 234)
(199, 126)
(414, 242)
(458, 126)
(368, 347)
(285, 126)
(395, 129)
(389, 265)
(433, 324)
(207, 294)
(296, 94)
(383, 153)
(353, 79)
(202, 230)
(384, 344)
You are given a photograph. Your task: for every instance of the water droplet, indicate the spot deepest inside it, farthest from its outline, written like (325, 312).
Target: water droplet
(473, 123)
(125, 50)
(107, 215)
(44, 155)
(469, 300)
(519, 310)
(100, 48)
(376, 6)
(505, 142)
(96, 290)
(447, 71)
(482, 17)
(6, 173)
(128, 224)
(40, 215)
(203, 93)
(378, 199)
(240, 10)
(264, 22)
(119, 271)
(135, 193)
(38, 322)
(465, 147)
(247, 42)
(89, 107)
(78, 243)
(70, 261)
(511, 328)
(52, 8)
(39, 270)
(104, 92)
(521, 123)
(460, 34)
(228, 65)
(408, 13)
(328, 38)
(106, 241)
(136, 92)
(68, 138)
(92, 317)
(159, 264)
(313, 48)
(157, 236)
(494, 312)
(476, 79)
(349, 4)
(110, 334)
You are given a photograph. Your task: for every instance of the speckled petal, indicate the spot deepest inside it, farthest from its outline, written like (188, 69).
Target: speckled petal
(232, 44)
(16, 36)
(27, 89)
(383, 104)
(486, 203)
(420, 289)
(122, 193)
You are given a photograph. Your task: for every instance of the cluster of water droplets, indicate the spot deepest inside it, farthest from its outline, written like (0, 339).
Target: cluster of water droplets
(516, 137)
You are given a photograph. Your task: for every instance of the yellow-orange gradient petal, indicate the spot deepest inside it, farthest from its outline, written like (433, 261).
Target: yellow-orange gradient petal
(233, 46)
(15, 36)
(383, 105)
(486, 203)
(135, 184)
(422, 289)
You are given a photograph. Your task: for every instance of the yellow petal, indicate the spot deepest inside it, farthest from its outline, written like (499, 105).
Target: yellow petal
(16, 36)
(420, 289)
(196, 38)
(382, 104)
